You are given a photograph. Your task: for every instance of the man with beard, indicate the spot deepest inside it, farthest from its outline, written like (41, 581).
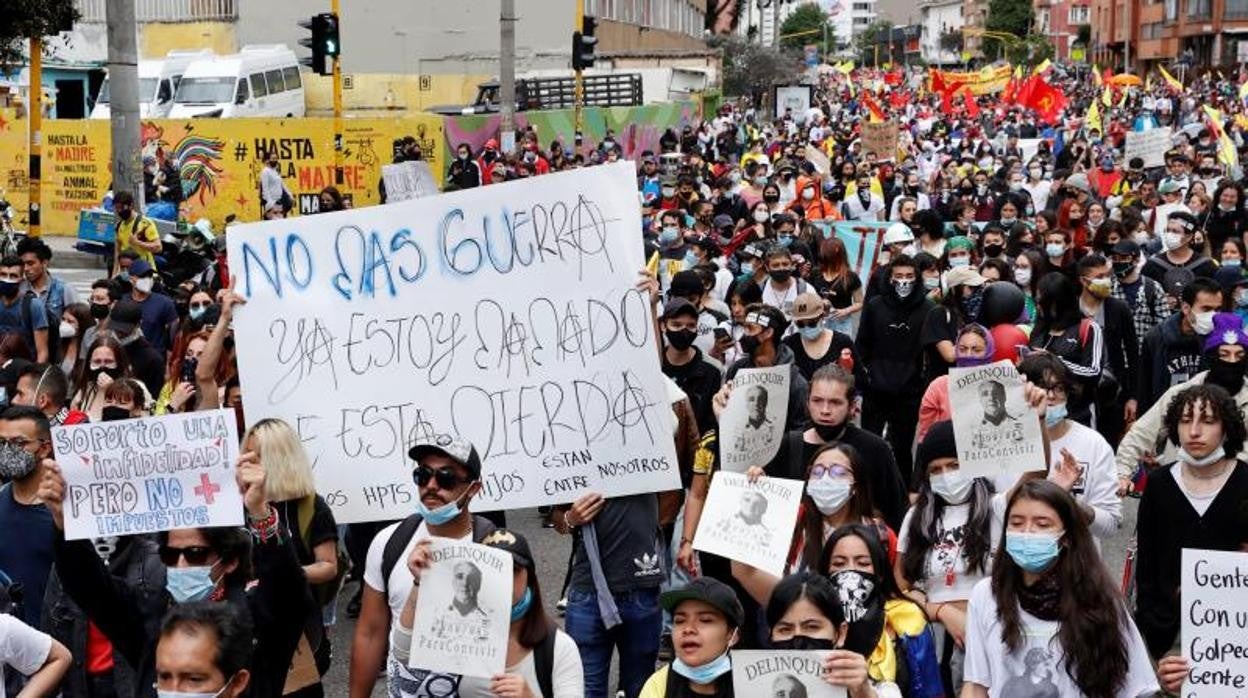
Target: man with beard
(1225, 349)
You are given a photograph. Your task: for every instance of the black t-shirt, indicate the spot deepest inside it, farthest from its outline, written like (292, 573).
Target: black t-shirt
(628, 543)
(807, 365)
(840, 293)
(940, 326)
(322, 527)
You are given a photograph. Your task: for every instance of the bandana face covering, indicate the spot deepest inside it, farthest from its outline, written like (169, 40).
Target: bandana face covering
(859, 595)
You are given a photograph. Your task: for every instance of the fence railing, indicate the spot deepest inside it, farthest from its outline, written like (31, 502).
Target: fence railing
(93, 11)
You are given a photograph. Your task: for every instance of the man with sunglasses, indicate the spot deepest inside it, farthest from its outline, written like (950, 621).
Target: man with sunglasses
(26, 552)
(447, 473)
(201, 564)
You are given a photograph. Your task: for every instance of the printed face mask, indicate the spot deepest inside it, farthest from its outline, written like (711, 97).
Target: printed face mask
(15, 462)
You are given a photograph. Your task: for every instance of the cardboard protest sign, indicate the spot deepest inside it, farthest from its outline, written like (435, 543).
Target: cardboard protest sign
(1150, 145)
(1215, 623)
(781, 673)
(408, 180)
(463, 612)
(750, 523)
(996, 432)
(149, 474)
(752, 425)
(819, 159)
(880, 138)
(505, 314)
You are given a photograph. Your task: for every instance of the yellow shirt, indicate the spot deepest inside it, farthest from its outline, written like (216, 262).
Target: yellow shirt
(656, 685)
(141, 228)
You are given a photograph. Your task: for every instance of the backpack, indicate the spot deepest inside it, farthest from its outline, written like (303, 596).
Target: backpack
(54, 326)
(481, 527)
(325, 592)
(10, 595)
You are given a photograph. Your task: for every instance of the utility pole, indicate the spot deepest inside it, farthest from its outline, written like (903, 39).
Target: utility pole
(334, 8)
(507, 74)
(579, 87)
(123, 85)
(35, 157)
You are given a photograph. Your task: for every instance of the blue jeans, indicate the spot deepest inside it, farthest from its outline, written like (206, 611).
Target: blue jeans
(636, 638)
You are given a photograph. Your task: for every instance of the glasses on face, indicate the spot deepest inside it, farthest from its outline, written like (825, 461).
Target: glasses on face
(834, 470)
(195, 555)
(807, 323)
(446, 478)
(19, 441)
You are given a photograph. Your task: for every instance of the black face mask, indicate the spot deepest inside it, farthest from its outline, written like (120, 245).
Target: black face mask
(829, 432)
(1121, 269)
(99, 311)
(681, 339)
(750, 343)
(113, 373)
(113, 413)
(780, 275)
(1227, 375)
(993, 250)
(803, 642)
(771, 198)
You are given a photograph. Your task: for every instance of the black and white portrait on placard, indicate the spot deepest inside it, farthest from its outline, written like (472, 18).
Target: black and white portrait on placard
(749, 522)
(781, 674)
(463, 610)
(996, 432)
(752, 424)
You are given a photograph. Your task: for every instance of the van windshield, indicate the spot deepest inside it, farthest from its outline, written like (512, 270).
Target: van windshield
(205, 91)
(147, 90)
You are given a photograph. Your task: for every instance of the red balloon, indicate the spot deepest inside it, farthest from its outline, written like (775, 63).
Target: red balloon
(1007, 338)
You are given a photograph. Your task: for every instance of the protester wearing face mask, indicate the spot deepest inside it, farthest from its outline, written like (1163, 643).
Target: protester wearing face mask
(813, 344)
(1029, 267)
(706, 622)
(974, 347)
(761, 347)
(1177, 252)
(1037, 186)
(203, 564)
(862, 204)
(958, 307)
(160, 317)
(76, 320)
(1143, 295)
(146, 362)
(946, 543)
(1226, 219)
(1239, 300)
(1096, 280)
(24, 315)
(683, 361)
(178, 393)
(1172, 351)
(890, 347)
(26, 551)
(469, 172)
(898, 240)
(1052, 608)
(106, 362)
(135, 232)
(781, 288)
(204, 651)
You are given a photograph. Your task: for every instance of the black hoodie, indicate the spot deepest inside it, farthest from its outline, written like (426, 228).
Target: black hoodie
(888, 341)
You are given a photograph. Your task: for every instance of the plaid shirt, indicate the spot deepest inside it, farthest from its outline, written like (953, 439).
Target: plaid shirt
(1145, 315)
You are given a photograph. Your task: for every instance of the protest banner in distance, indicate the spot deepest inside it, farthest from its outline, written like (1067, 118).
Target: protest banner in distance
(750, 523)
(1215, 623)
(996, 432)
(1150, 145)
(752, 424)
(880, 138)
(463, 612)
(781, 673)
(408, 180)
(149, 474)
(863, 242)
(506, 314)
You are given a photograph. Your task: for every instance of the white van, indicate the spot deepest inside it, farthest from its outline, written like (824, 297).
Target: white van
(158, 80)
(260, 80)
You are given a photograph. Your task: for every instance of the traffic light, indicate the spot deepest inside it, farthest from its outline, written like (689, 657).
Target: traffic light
(583, 44)
(323, 42)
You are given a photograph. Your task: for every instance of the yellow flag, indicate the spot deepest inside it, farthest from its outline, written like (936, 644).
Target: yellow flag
(1096, 75)
(1123, 102)
(1148, 81)
(1106, 97)
(1043, 66)
(1227, 154)
(845, 68)
(1092, 119)
(1170, 79)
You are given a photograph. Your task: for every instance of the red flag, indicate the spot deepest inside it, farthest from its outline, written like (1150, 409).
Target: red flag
(872, 106)
(1025, 90)
(898, 99)
(892, 78)
(946, 97)
(1046, 100)
(937, 81)
(968, 100)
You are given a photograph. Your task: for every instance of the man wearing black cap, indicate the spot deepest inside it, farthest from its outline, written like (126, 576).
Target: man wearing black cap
(1177, 252)
(1143, 295)
(447, 473)
(684, 363)
(23, 315)
(146, 363)
(160, 315)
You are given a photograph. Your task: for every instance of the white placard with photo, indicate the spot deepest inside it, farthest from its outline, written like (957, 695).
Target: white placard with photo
(996, 432)
(751, 427)
(750, 522)
(783, 674)
(463, 612)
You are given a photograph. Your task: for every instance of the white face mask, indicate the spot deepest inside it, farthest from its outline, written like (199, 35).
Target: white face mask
(829, 493)
(67, 330)
(144, 285)
(761, 216)
(1203, 323)
(953, 486)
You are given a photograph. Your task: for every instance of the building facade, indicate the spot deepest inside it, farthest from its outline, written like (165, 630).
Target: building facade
(1195, 33)
(1059, 22)
(760, 20)
(938, 17)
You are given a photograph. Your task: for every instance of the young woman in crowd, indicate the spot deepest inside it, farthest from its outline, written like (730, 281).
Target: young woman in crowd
(706, 621)
(75, 321)
(178, 393)
(125, 398)
(1050, 621)
(815, 345)
(838, 284)
(964, 293)
(975, 347)
(106, 361)
(1029, 267)
(531, 631)
(1062, 329)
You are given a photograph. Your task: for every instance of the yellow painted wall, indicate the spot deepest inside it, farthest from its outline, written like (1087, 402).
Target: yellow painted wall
(391, 91)
(157, 40)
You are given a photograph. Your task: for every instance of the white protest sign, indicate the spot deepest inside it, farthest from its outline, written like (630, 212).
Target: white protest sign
(408, 180)
(505, 314)
(819, 159)
(752, 424)
(463, 612)
(996, 432)
(1150, 145)
(150, 474)
(1029, 147)
(1214, 612)
(781, 673)
(793, 98)
(750, 523)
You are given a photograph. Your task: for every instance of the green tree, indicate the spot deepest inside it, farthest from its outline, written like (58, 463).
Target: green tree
(951, 41)
(808, 18)
(23, 19)
(878, 32)
(751, 70)
(1014, 17)
(1029, 51)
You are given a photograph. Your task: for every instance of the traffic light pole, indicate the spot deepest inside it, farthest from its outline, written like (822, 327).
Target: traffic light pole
(35, 107)
(580, 77)
(507, 75)
(337, 101)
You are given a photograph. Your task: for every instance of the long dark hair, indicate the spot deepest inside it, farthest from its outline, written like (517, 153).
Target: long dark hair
(833, 260)
(929, 510)
(537, 624)
(1057, 304)
(811, 519)
(1089, 605)
(102, 339)
(811, 586)
(870, 536)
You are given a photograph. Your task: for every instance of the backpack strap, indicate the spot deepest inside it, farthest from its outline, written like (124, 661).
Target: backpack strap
(305, 508)
(793, 440)
(544, 663)
(396, 545)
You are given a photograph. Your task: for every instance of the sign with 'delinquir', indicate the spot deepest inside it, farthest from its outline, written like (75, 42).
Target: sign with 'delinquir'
(463, 612)
(149, 474)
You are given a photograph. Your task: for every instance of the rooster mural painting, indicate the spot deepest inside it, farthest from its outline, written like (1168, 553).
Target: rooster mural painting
(194, 157)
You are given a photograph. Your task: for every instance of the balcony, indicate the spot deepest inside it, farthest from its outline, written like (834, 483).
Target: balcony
(93, 11)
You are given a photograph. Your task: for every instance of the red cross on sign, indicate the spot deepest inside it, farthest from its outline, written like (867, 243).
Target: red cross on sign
(207, 488)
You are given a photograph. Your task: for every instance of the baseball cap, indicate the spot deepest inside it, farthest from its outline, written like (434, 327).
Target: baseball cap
(678, 306)
(723, 220)
(686, 283)
(1168, 186)
(512, 542)
(140, 267)
(1175, 279)
(709, 591)
(1078, 181)
(452, 446)
(963, 276)
(807, 306)
(124, 317)
(1124, 247)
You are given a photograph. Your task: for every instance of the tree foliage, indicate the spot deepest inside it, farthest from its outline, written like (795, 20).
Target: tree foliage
(952, 41)
(752, 70)
(877, 32)
(1031, 50)
(808, 18)
(23, 19)
(1007, 17)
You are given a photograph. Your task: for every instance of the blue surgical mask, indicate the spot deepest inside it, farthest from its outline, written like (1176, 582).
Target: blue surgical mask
(705, 674)
(1034, 552)
(784, 240)
(1232, 263)
(197, 313)
(691, 259)
(1055, 249)
(955, 262)
(437, 517)
(1054, 414)
(669, 235)
(747, 269)
(187, 584)
(521, 607)
(181, 694)
(810, 334)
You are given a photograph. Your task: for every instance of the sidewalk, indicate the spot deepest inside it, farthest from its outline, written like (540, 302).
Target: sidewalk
(65, 256)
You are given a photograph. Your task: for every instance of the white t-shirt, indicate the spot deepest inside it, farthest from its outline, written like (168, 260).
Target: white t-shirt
(989, 662)
(947, 576)
(400, 582)
(22, 648)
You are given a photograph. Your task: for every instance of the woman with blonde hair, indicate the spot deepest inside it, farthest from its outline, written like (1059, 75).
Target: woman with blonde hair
(291, 488)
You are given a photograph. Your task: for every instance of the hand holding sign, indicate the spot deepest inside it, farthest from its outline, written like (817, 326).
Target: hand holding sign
(1171, 671)
(419, 560)
(52, 492)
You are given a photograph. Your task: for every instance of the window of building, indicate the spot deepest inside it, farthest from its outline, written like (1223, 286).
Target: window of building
(1198, 9)
(1236, 9)
(1172, 10)
(1078, 14)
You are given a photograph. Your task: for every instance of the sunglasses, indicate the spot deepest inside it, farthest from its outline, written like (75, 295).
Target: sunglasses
(807, 323)
(195, 556)
(446, 479)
